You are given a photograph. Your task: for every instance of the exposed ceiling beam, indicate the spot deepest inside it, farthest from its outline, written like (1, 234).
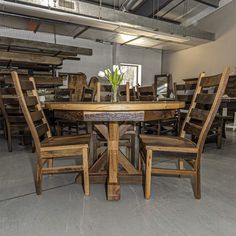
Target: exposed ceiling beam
(29, 58)
(211, 3)
(102, 17)
(45, 46)
(81, 32)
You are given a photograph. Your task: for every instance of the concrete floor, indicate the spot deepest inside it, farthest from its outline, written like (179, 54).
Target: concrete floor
(172, 210)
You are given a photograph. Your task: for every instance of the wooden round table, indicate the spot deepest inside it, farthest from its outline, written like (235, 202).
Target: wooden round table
(114, 114)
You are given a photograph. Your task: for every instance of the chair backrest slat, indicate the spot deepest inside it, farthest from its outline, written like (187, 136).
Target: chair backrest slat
(205, 99)
(204, 106)
(36, 116)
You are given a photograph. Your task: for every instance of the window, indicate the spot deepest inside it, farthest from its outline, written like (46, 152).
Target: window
(133, 74)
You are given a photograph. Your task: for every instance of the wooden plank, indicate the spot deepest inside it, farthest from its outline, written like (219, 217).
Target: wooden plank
(185, 98)
(42, 129)
(159, 115)
(71, 50)
(26, 85)
(114, 116)
(103, 130)
(194, 129)
(62, 169)
(36, 115)
(31, 101)
(131, 106)
(126, 164)
(6, 91)
(205, 99)
(199, 114)
(29, 58)
(113, 187)
(210, 81)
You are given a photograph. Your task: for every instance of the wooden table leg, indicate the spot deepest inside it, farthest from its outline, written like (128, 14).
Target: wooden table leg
(113, 186)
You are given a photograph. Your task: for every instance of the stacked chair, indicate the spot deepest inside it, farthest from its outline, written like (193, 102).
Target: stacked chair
(14, 122)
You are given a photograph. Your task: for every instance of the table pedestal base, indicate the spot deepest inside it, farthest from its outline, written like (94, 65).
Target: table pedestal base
(113, 191)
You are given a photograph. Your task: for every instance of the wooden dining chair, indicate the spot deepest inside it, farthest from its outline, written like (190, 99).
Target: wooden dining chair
(146, 93)
(126, 93)
(197, 123)
(48, 147)
(87, 95)
(14, 121)
(63, 95)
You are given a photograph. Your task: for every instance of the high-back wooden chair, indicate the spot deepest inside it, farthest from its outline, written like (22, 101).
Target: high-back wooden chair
(103, 92)
(126, 93)
(203, 109)
(14, 121)
(87, 95)
(48, 147)
(146, 93)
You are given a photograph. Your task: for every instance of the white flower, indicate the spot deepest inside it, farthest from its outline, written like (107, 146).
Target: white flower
(115, 67)
(108, 71)
(123, 70)
(119, 73)
(101, 74)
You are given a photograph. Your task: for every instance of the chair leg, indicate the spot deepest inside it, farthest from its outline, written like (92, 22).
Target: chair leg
(39, 179)
(86, 171)
(132, 149)
(50, 164)
(219, 135)
(9, 140)
(148, 175)
(197, 185)
(139, 162)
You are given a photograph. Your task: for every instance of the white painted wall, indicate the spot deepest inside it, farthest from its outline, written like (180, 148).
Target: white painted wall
(102, 54)
(148, 58)
(211, 57)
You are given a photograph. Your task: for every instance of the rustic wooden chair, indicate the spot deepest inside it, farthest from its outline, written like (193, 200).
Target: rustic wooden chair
(14, 121)
(93, 84)
(146, 93)
(87, 95)
(126, 93)
(47, 147)
(63, 95)
(103, 92)
(182, 148)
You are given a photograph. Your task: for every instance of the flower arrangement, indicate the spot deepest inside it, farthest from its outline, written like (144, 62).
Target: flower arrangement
(115, 78)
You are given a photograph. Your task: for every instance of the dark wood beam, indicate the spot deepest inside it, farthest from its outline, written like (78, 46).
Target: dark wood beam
(29, 58)
(45, 46)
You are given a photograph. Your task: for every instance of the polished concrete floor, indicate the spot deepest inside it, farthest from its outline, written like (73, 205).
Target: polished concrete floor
(63, 210)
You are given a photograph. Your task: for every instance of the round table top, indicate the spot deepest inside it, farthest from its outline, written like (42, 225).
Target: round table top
(120, 106)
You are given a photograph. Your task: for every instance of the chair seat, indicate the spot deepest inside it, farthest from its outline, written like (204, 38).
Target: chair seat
(168, 144)
(66, 140)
